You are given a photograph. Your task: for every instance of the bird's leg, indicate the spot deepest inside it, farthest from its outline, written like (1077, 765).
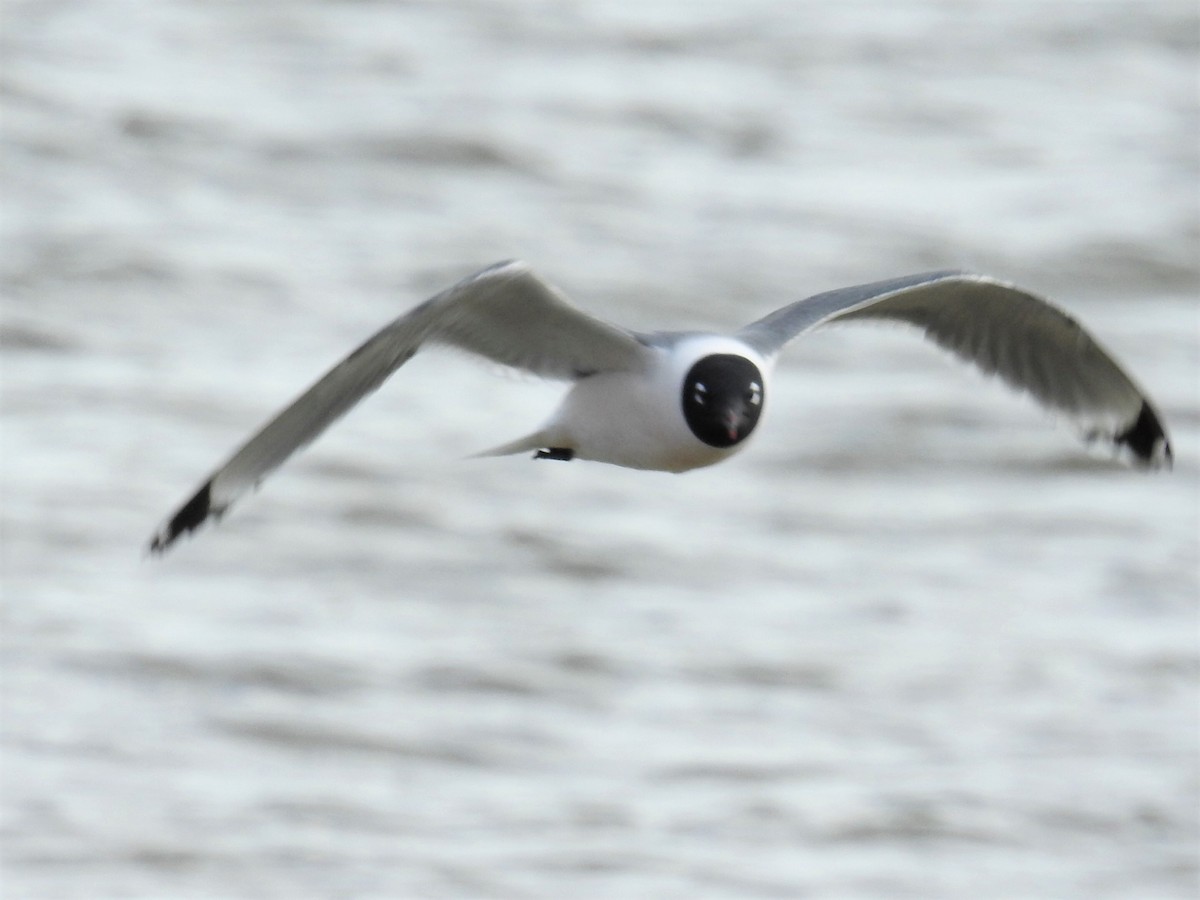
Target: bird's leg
(566, 454)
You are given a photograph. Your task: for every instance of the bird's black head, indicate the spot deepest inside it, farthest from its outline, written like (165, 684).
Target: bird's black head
(722, 399)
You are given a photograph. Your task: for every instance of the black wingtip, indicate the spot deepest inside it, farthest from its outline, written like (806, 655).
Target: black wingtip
(189, 517)
(1144, 437)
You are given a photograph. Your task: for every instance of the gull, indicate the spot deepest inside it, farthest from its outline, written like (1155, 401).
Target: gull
(678, 400)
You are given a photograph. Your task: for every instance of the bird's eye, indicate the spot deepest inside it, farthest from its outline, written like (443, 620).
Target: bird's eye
(754, 394)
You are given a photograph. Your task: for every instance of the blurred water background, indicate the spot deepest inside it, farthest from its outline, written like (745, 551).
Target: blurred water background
(914, 643)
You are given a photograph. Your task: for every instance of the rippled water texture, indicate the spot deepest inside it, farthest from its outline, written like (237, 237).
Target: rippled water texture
(914, 643)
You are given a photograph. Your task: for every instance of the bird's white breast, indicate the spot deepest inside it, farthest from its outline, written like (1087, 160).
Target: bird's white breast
(635, 419)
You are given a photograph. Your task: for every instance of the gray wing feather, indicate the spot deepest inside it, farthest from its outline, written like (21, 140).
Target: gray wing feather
(1020, 337)
(504, 313)
(507, 314)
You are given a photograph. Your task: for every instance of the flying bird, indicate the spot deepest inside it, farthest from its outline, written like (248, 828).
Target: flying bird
(679, 400)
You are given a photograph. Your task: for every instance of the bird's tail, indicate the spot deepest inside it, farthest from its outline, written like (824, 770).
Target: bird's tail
(535, 441)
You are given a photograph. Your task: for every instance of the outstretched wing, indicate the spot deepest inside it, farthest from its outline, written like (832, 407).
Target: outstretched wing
(1031, 344)
(504, 313)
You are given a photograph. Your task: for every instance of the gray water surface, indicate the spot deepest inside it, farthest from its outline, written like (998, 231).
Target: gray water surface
(915, 642)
